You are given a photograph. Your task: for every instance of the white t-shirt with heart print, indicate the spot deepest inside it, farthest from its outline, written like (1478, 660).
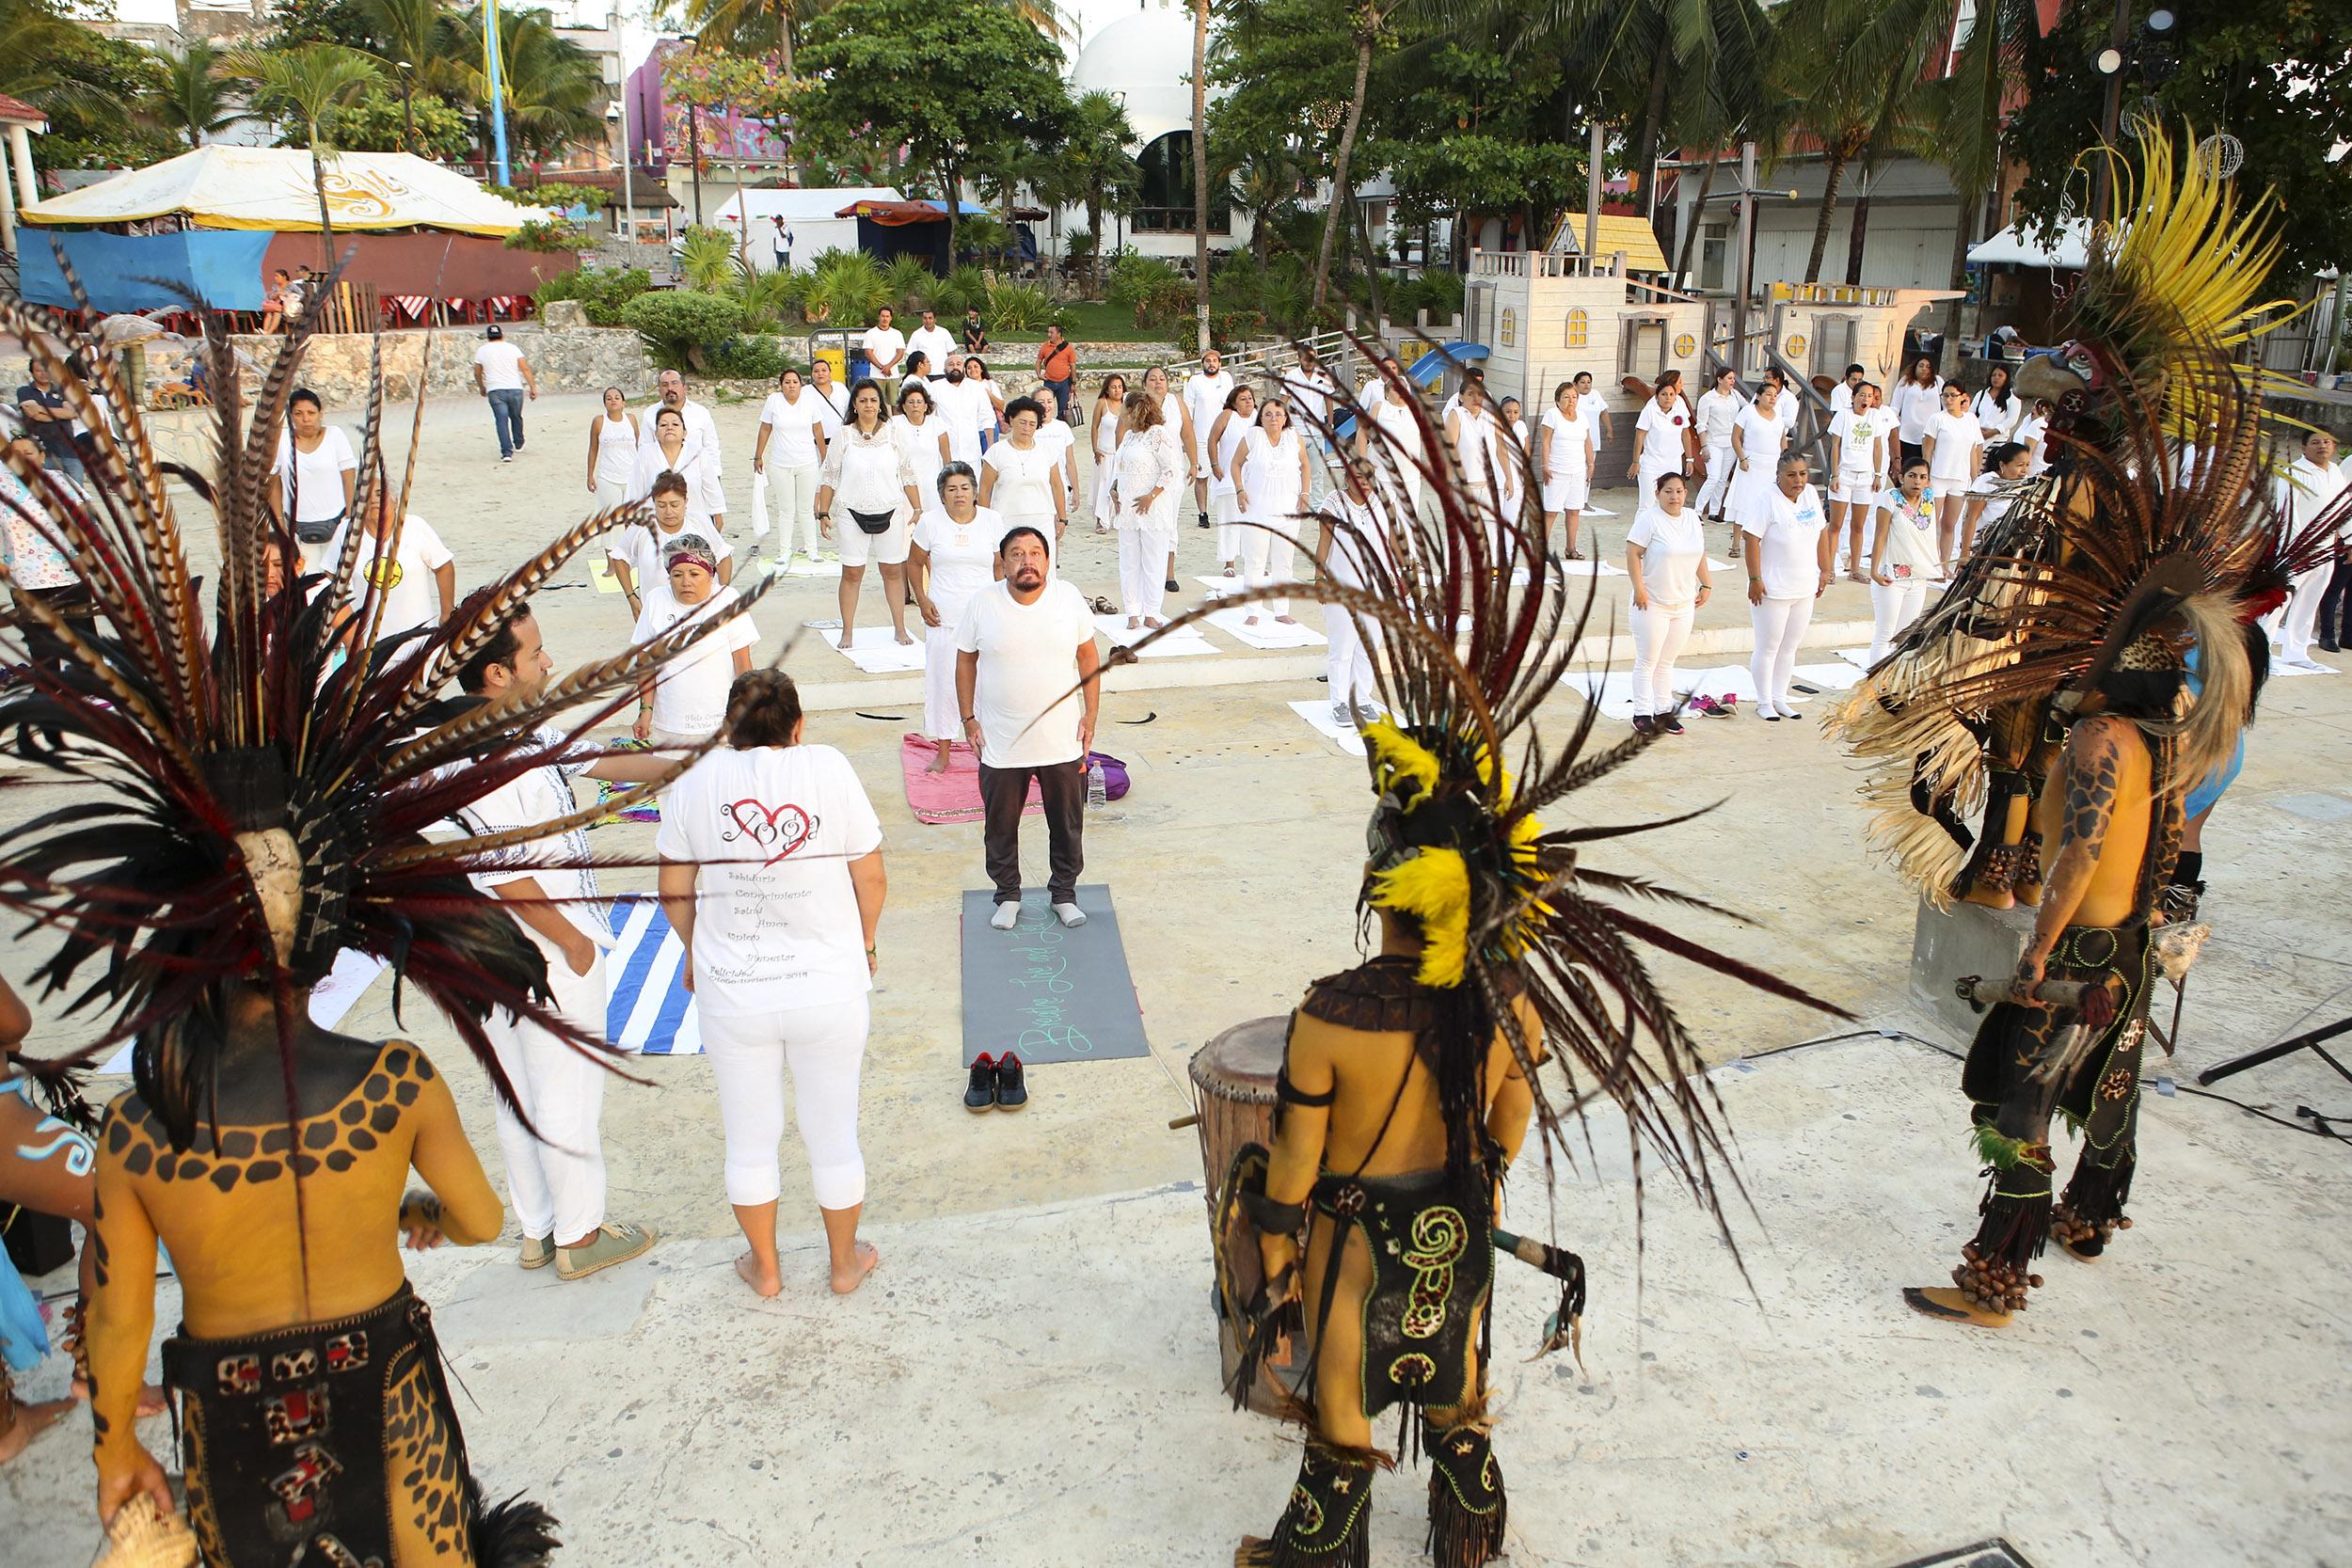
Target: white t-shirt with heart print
(774, 829)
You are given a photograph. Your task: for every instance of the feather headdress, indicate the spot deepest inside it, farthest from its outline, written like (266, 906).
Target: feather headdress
(262, 778)
(2155, 514)
(1478, 626)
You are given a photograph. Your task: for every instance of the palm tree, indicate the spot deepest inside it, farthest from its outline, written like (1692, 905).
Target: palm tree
(1852, 70)
(33, 41)
(1200, 174)
(1098, 165)
(414, 37)
(554, 95)
(191, 102)
(1267, 185)
(1967, 110)
(304, 84)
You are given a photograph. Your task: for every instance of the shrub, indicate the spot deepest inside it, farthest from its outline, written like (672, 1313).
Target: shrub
(772, 299)
(908, 285)
(845, 288)
(982, 234)
(682, 327)
(1444, 295)
(1154, 291)
(603, 294)
(748, 358)
(962, 289)
(707, 259)
(535, 235)
(1017, 308)
(551, 193)
(1230, 329)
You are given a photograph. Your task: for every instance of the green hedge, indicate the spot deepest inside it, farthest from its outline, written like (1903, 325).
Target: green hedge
(605, 295)
(683, 328)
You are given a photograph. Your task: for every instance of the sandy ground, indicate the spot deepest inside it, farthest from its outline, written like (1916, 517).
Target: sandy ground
(1030, 1380)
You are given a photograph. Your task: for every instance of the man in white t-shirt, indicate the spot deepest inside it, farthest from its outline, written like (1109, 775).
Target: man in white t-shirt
(2308, 488)
(933, 342)
(884, 346)
(1205, 391)
(414, 573)
(672, 388)
(1023, 648)
(502, 376)
(556, 1179)
(1841, 395)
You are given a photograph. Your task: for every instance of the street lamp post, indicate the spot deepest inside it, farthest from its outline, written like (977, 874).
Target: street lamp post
(407, 114)
(490, 54)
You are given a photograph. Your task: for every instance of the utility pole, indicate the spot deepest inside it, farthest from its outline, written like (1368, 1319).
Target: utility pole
(2111, 116)
(1592, 196)
(1747, 229)
(491, 56)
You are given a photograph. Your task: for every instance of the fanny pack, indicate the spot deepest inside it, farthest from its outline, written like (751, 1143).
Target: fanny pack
(871, 522)
(317, 531)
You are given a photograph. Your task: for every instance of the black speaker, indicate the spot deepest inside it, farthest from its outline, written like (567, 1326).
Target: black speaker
(36, 1243)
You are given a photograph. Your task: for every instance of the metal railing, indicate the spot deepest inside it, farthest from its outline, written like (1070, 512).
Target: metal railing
(1546, 263)
(1334, 349)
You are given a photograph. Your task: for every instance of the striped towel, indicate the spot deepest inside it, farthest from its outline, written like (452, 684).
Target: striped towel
(647, 1011)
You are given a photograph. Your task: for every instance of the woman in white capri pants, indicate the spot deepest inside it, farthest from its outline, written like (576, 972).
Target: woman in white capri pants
(1789, 547)
(1563, 450)
(1351, 545)
(1269, 492)
(1665, 554)
(1904, 556)
(951, 555)
(791, 879)
(866, 478)
(1718, 412)
(611, 452)
(1152, 470)
(796, 419)
(1224, 446)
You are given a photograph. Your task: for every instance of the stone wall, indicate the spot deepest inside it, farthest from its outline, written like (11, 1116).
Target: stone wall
(573, 359)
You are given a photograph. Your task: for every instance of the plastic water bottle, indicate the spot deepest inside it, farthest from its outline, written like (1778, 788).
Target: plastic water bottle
(1098, 793)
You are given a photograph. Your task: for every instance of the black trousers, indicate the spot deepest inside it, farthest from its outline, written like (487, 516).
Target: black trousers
(1061, 788)
(74, 603)
(2335, 606)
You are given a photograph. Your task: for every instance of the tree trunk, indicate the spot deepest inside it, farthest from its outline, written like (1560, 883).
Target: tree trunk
(1094, 226)
(1698, 221)
(1200, 175)
(1963, 235)
(783, 38)
(1341, 189)
(953, 180)
(1644, 153)
(1855, 241)
(327, 224)
(1834, 177)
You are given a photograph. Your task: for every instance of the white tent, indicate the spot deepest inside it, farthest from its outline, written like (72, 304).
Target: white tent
(809, 214)
(2068, 250)
(270, 187)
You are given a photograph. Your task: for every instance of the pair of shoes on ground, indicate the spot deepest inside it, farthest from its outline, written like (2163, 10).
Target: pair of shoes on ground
(612, 1244)
(997, 1084)
(1662, 725)
(1008, 915)
(1356, 715)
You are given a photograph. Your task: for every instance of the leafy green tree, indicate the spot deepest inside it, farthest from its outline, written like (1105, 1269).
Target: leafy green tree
(299, 22)
(553, 89)
(92, 88)
(379, 121)
(188, 102)
(302, 85)
(417, 43)
(986, 77)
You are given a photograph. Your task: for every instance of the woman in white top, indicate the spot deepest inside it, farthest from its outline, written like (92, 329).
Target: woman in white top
(1661, 436)
(865, 475)
(1270, 493)
(675, 449)
(318, 474)
(1718, 413)
(996, 414)
(1860, 459)
(1954, 448)
(1998, 408)
(685, 701)
(1903, 559)
(2033, 434)
(1103, 427)
(1018, 475)
(611, 452)
(1790, 402)
(637, 551)
(1150, 471)
(951, 555)
(1787, 547)
(1989, 494)
(1392, 423)
(1916, 400)
(799, 420)
(920, 436)
(1665, 554)
(1225, 439)
(1564, 454)
(1761, 439)
(1177, 414)
(778, 842)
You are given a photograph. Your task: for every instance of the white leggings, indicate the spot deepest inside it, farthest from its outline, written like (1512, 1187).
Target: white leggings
(1266, 558)
(792, 498)
(1721, 466)
(1348, 660)
(1893, 607)
(1228, 532)
(941, 721)
(611, 493)
(1779, 627)
(1658, 634)
(824, 1047)
(1143, 569)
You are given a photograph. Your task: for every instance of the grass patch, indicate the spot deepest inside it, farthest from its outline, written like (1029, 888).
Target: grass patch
(1091, 321)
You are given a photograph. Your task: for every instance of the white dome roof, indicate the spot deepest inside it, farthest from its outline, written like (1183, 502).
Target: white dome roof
(1145, 55)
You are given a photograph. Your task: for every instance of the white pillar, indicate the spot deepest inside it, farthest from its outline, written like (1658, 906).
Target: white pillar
(20, 150)
(8, 218)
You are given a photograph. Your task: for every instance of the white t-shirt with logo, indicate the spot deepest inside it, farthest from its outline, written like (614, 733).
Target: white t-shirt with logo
(1671, 547)
(1790, 552)
(774, 829)
(403, 574)
(963, 558)
(1028, 657)
(637, 548)
(689, 695)
(1661, 443)
(1856, 435)
(502, 365)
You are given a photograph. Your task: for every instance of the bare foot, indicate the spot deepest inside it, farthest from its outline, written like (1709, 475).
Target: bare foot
(905, 640)
(151, 1401)
(939, 762)
(848, 636)
(1134, 621)
(762, 1285)
(30, 1421)
(1285, 620)
(1249, 620)
(1230, 572)
(867, 1261)
(1153, 621)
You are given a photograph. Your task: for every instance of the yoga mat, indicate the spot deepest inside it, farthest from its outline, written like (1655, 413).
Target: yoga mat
(1220, 586)
(1724, 680)
(950, 797)
(802, 566)
(1591, 567)
(1830, 677)
(2279, 669)
(873, 651)
(1187, 643)
(1268, 632)
(1046, 992)
(352, 973)
(647, 1009)
(1858, 657)
(600, 573)
(1318, 714)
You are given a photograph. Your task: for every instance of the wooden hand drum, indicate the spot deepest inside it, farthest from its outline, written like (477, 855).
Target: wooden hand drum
(1233, 1081)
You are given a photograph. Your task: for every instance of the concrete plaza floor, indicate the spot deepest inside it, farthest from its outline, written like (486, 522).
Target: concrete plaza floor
(1030, 1379)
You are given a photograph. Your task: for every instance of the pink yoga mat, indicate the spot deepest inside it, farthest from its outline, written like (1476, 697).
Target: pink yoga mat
(950, 797)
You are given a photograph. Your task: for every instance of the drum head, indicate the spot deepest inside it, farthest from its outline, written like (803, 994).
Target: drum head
(1242, 1063)
(1240, 1268)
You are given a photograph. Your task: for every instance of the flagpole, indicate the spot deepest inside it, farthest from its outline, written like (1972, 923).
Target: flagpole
(498, 89)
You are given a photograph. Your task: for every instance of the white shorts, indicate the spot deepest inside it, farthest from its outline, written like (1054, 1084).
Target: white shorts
(1566, 491)
(858, 547)
(1854, 487)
